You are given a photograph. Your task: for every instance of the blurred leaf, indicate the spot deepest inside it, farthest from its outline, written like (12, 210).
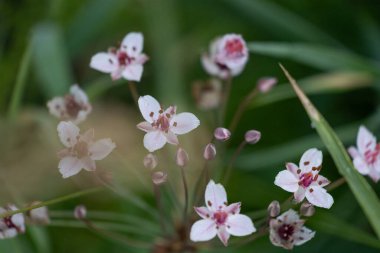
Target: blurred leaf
(40, 239)
(50, 58)
(362, 191)
(97, 87)
(371, 35)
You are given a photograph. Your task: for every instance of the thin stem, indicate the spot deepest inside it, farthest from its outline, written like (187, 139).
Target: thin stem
(226, 95)
(134, 92)
(199, 186)
(157, 194)
(336, 184)
(232, 161)
(186, 195)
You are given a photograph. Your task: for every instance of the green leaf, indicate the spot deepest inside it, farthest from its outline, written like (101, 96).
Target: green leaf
(362, 191)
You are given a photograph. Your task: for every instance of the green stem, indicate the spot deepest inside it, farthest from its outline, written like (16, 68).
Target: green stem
(232, 161)
(186, 195)
(134, 92)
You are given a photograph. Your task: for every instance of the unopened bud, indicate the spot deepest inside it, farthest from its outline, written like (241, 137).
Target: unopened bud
(252, 136)
(274, 208)
(39, 215)
(150, 161)
(265, 84)
(307, 209)
(182, 157)
(222, 134)
(80, 212)
(210, 152)
(159, 177)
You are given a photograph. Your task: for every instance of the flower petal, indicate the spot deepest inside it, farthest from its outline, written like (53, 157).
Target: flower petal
(79, 95)
(57, 107)
(233, 208)
(365, 140)
(183, 123)
(68, 133)
(361, 165)
(353, 152)
(203, 230)
(215, 196)
(289, 217)
(374, 175)
(318, 196)
(133, 72)
(302, 236)
(223, 235)
(149, 108)
(133, 44)
(312, 158)
(101, 148)
(203, 212)
(321, 181)
(104, 62)
(171, 138)
(293, 168)
(88, 164)
(145, 126)
(287, 181)
(299, 195)
(69, 166)
(154, 140)
(209, 65)
(239, 225)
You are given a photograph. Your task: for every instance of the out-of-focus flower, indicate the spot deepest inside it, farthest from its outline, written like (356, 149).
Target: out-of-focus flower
(208, 94)
(74, 106)
(222, 134)
(80, 212)
(265, 84)
(13, 225)
(162, 126)
(39, 215)
(182, 158)
(307, 209)
(288, 230)
(159, 177)
(274, 208)
(227, 56)
(219, 218)
(126, 61)
(367, 154)
(210, 152)
(252, 136)
(150, 161)
(305, 180)
(81, 151)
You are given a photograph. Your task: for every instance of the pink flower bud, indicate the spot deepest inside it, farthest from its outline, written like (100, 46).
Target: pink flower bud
(274, 208)
(182, 157)
(150, 161)
(39, 215)
(209, 152)
(80, 212)
(307, 209)
(252, 136)
(222, 134)
(159, 177)
(266, 84)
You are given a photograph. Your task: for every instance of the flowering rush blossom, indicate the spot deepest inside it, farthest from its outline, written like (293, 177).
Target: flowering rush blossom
(162, 126)
(73, 106)
(13, 225)
(126, 61)
(81, 151)
(305, 180)
(366, 157)
(227, 56)
(219, 218)
(288, 230)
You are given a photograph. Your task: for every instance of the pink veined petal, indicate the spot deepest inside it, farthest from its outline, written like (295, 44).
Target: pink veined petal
(69, 166)
(145, 126)
(353, 152)
(141, 59)
(210, 66)
(154, 140)
(318, 196)
(149, 108)
(303, 235)
(239, 225)
(57, 107)
(101, 148)
(215, 196)
(203, 212)
(292, 168)
(79, 95)
(299, 195)
(117, 73)
(133, 44)
(365, 140)
(68, 133)
(104, 62)
(171, 138)
(361, 165)
(203, 230)
(321, 181)
(312, 158)
(133, 72)
(223, 235)
(233, 208)
(287, 181)
(183, 123)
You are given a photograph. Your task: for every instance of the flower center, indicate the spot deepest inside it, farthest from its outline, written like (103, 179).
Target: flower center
(285, 231)
(372, 155)
(306, 179)
(123, 58)
(163, 123)
(220, 217)
(72, 106)
(234, 48)
(81, 149)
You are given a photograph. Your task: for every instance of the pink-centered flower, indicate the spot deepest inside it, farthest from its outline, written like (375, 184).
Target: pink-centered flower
(163, 126)
(126, 61)
(305, 180)
(227, 56)
(73, 106)
(81, 150)
(13, 225)
(366, 156)
(288, 230)
(219, 218)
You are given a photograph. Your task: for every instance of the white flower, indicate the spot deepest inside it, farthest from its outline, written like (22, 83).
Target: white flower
(74, 106)
(367, 155)
(13, 225)
(227, 56)
(126, 61)
(305, 180)
(287, 230)
(81, 151)
(161, 125)
(219, 218)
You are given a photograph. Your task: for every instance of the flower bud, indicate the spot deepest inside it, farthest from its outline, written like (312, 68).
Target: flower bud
(159, 177)
(39, 215)
(274, 208)
(210, 152)
(150, 161)
(265, 84)
(182, 157)
(252, 136)
(80, 212)
(222, 134)
(307, 209)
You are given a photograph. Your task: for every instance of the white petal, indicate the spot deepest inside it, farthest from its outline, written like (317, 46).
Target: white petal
(145, 126)
(57, 107)
(299, 195)
(302, 236)
(321, 181)
(68, 133)
(154, 140)
(79, 95)
(293, 168)
(171, 138)
(289, 216)
(88, 164)
(133, 72)
(149, 108)
(104, 62)
(88, 136)
(287, 181)
(203, 230)
(312, 158)
(223, 235)
(374, 175)
(133, 44)
(318, 196)
(361, 165)
(203, 212)
(183, 123)
(101, 148)
(353, 152)
(69, 166)
(215, 196)
(233, 208)
(239, 225)
(209, 65)
(365, 140)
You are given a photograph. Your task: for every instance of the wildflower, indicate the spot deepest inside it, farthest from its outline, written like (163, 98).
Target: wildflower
(13, 225)
(210, 152)
(74, 106)
(305, 180)
(252, 136)
(81, 151)
(219, 218)
(126, 61)
(227, 56)
(222, 134)
(288, 230)
(265, 84)
(182, 158)
(366, 157)
(208, 95)
(39, 215)
(161, 125)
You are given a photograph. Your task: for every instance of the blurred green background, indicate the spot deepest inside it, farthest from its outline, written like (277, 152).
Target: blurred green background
(332, 48)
